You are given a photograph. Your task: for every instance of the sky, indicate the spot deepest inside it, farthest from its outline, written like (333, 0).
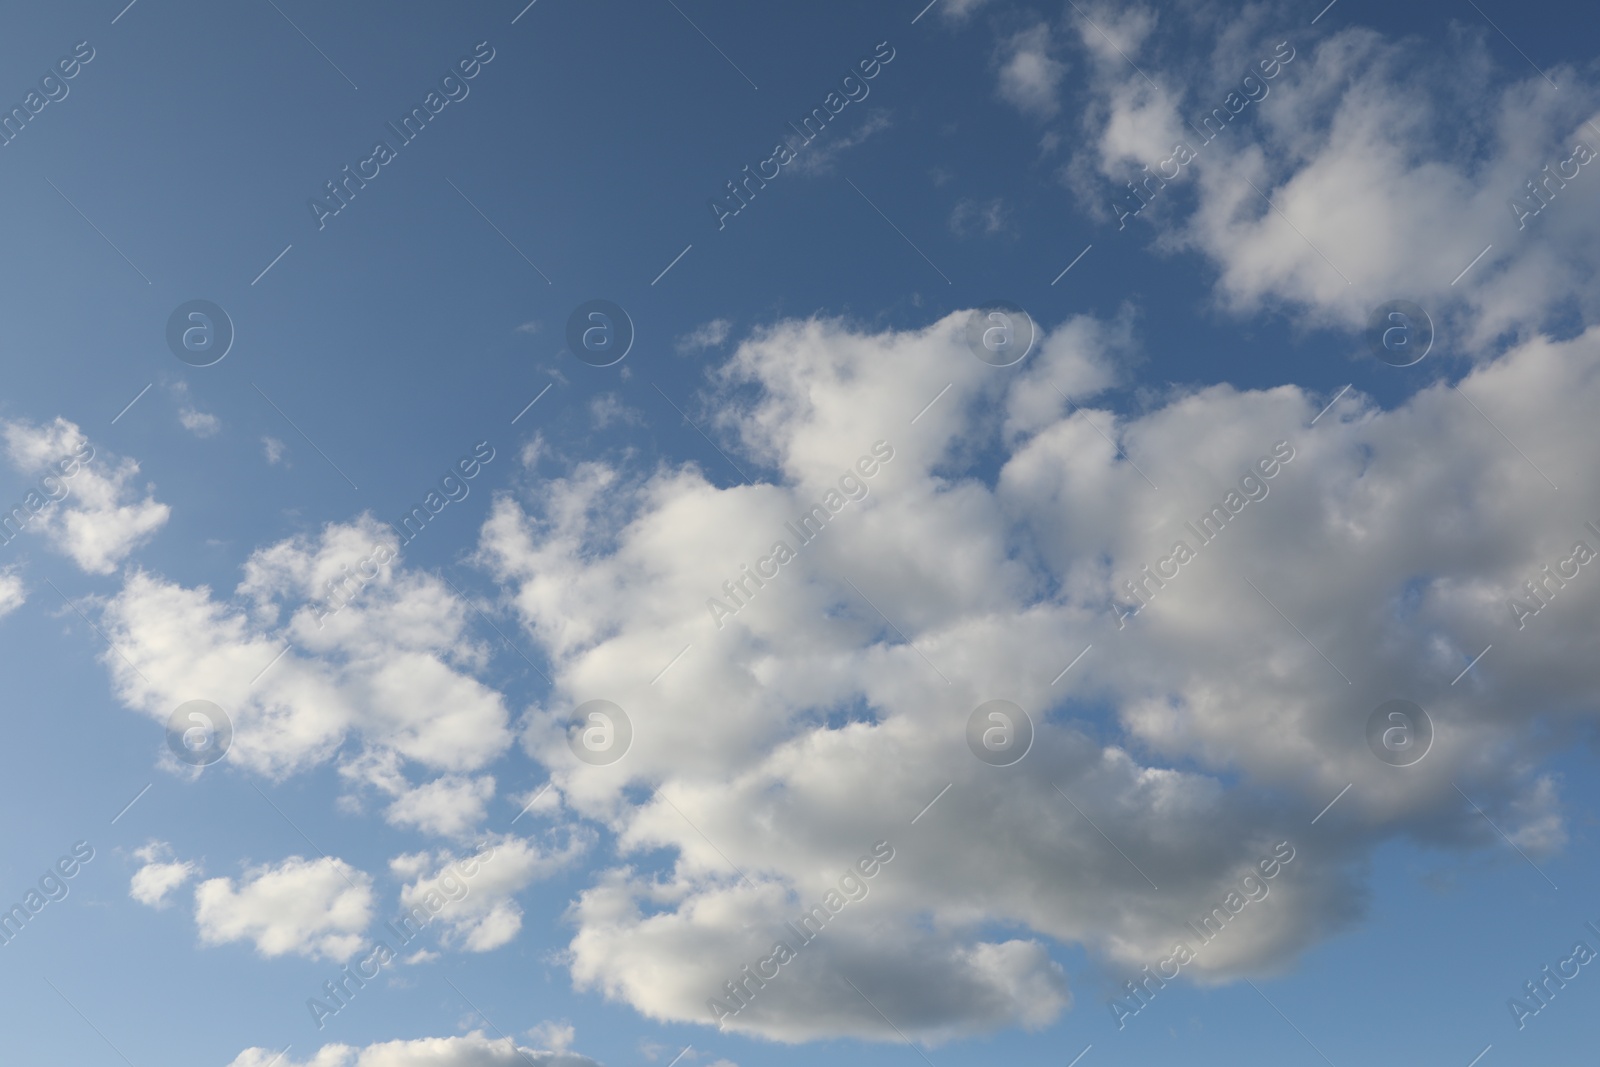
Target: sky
(717, 535)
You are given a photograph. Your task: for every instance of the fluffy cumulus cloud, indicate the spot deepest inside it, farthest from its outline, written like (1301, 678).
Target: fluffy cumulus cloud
(315, 908)
(450, 806)
(1332, 179)
(376, 671)
(85, 502)
(470, 1050)
(159, 875)
(479, 912)
(967, 557)
(1030, 75)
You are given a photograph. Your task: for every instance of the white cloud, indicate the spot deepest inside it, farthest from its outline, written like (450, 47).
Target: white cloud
(450, 806)
(315, 908)
(485, 915)
(13, 594)
(274, 450)
(1029, 75)
(956, 10)
(970, 216)
(607, 409)
(196, 422)
(470, 1050)
(532, 450)
(96, 518)
(199, 423)
(380, 655)
(1393, 539)
(1375, 194)
(556, 1036)
(706, 335)
(160, 875)
(820, 156)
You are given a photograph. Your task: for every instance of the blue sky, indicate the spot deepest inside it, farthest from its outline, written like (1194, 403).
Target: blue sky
(415, 343)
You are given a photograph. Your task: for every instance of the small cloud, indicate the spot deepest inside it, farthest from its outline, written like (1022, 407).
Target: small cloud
(810, 159)
(473, 1049)
(1029, 75)
(12, 593)
(546, 800)
(706, 335)
(199, 423)
(941, 177)
(532, 451)
(531, 326)
(313, 908)
(449, 806)
(552, 1036)
(274, 450)
(159, 876)
(195, 421)
(607, 410)
(98, 518)
(971, 216)
(957, 10)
